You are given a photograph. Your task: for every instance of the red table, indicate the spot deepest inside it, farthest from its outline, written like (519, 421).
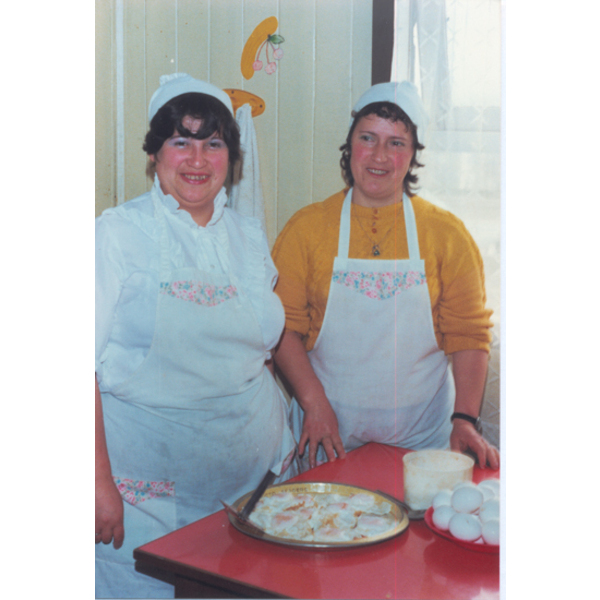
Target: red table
(211, 559)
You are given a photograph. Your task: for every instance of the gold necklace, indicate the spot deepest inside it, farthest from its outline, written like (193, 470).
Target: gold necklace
(375, 245)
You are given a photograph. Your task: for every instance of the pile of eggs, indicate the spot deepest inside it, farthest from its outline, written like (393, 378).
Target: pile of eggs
(470, 512)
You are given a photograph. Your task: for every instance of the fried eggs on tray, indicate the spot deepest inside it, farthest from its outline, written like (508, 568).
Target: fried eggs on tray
(323, 517)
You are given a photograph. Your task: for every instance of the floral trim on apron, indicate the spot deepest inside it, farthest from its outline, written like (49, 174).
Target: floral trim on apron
(198, 292)
(134, 492)
(379, 286)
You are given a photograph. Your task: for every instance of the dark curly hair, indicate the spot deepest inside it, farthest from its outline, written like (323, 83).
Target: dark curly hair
(214, 115)
(390, 112)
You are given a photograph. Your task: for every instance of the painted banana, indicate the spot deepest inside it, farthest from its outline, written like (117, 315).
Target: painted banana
(260, 35)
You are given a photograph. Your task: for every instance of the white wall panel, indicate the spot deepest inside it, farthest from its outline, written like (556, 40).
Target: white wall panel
(135, 85)
(193, 37)
(161, 40)
(105, 106)
(226, 43)
(333, 53)
(295, 148)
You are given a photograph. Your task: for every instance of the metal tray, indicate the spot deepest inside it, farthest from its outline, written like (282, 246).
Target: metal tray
(309, 487)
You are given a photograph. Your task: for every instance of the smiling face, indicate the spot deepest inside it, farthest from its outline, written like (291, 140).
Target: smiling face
(193, 171)
(382, 151)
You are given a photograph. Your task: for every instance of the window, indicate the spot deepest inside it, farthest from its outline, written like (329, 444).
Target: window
(451, 50)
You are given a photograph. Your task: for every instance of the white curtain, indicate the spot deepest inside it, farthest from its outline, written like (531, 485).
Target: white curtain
(451, 49)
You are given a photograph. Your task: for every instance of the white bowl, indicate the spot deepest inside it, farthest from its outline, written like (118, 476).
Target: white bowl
(426, 472)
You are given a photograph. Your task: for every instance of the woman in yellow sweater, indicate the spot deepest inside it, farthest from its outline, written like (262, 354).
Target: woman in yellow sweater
(380, 288)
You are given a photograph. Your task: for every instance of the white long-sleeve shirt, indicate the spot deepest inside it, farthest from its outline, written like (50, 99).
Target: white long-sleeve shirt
(127, 274)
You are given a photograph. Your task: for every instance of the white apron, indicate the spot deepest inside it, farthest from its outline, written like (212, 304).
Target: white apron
(201, 419)
(376, 354)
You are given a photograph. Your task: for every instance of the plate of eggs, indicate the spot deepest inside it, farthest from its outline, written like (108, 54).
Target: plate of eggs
(322, 515)
(469, 515)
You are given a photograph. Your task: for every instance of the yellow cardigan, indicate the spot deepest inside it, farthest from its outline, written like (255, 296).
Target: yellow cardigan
(306, 247)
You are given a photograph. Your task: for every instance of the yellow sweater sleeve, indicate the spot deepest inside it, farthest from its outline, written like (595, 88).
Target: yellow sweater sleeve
(306, 247)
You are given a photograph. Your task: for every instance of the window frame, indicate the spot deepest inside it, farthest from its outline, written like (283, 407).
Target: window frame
(382, 41)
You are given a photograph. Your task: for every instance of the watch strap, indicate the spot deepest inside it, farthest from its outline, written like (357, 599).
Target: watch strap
(476, 421)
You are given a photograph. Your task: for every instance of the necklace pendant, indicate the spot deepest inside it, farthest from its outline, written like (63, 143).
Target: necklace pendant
(376, 250)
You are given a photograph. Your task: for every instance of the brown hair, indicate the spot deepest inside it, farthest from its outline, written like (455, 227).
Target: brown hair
(391, 112)
(214, 115)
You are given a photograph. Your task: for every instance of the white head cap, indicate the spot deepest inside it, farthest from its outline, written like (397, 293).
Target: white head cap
(403, 94)
(181, 83)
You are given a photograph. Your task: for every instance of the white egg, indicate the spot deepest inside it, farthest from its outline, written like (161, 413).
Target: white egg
(442, 498)
(488, 492)
(467, 499)
(442, 515)
(490, 532)
(461, 484)
(465, 527)
(490, 509)
(491, 484)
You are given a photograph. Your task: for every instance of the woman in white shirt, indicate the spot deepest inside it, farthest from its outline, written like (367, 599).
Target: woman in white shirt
(187, 412)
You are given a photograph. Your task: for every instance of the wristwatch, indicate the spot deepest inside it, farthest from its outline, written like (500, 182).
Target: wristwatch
(475, 421)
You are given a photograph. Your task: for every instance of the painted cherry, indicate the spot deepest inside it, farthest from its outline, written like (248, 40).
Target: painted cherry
(271, 67)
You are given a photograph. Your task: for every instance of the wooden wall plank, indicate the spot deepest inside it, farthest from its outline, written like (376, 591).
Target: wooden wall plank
(332, 94)
(225, 42)
(160, 48)
(161, 41)
(135, 98)
(193, 37)
(296, 109)
(105, 106)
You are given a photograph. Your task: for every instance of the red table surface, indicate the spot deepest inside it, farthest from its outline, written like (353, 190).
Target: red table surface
(416, 564)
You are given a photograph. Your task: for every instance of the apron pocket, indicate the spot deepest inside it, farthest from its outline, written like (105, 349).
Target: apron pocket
(133, 492)
(379, 285)
(199, 292)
